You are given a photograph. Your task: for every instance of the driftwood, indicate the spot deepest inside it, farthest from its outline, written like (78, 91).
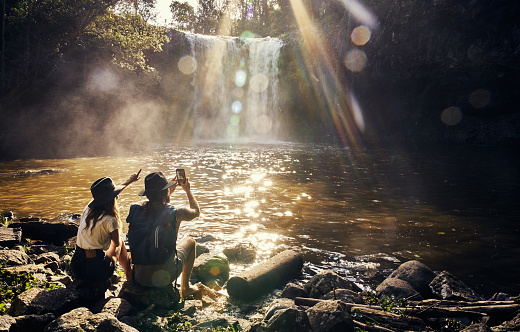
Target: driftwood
(309, 302)
(265, 276)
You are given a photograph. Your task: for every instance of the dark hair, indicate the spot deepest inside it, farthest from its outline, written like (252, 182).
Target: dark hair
(157, 200)
(96, 213)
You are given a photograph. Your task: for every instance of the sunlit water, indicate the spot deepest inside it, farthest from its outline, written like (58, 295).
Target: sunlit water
(359, 213)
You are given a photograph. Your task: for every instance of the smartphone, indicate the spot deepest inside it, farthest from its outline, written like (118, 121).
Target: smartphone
(181, 176)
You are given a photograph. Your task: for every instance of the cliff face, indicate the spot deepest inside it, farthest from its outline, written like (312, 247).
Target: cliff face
(436, 71)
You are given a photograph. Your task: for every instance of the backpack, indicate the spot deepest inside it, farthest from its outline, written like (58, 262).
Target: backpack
(152, 236)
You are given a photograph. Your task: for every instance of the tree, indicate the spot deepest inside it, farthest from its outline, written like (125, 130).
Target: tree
(183, 15)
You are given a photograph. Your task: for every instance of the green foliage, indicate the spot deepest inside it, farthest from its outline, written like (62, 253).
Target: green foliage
(125, 39)
(183, 14)
(13, 284)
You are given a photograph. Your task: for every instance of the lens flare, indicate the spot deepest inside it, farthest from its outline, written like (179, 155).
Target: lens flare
(361, 35)
(263, 124)
(356, 60)
(259, 83)
(236, 107)
(187, 65)
(479, 98)
(240, 78)
(361, 13)
(451, 116)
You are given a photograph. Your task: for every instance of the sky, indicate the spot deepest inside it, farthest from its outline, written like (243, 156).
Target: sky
(163, 9)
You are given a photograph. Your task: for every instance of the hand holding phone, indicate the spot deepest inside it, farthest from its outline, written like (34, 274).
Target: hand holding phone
(181, 176)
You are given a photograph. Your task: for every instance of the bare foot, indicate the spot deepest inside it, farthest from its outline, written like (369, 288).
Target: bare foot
(192, 291)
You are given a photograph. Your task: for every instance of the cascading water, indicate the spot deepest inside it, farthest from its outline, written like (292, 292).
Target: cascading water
(235, 87)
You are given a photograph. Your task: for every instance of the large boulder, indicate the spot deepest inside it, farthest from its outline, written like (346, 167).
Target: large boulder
(325, 282)
(39, 301)
(82, 319)
(57, 233)
(32, 322)
(418, 275)
(292, 291)
(10, 236)
(277, 305)
(397, 288)
(511, 325)
(208, 267)
(448, 287)
(331, 316)
(345, 295)
(14, 257)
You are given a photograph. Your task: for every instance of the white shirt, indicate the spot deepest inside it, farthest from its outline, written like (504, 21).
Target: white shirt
(98, 237)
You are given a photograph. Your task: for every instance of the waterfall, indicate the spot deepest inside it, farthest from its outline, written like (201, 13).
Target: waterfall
(235, 83)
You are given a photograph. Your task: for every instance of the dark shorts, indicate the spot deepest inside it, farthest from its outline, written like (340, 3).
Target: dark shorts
(99, 268)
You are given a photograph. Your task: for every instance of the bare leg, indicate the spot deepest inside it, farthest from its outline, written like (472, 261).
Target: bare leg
(188, 243)
(124, 260)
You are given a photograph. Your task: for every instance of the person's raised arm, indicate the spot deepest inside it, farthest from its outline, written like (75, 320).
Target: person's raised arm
(194, 210)
(134, 177)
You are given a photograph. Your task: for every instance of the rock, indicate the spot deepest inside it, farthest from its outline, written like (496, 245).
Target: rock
(418, 275)
(345, 295)
(8, 215)
(32, 322)
(478, 327)
(190, 307)
(82, 319)
(330, 315)
(279, 304)
(88, 292)
(289, 320)
(241, 253)
(500, 297)
(142, 297)
(448, 287)
(204, 238)
(6, 321)
(46, 257)
(57, 233)
(28, 268)
(14, 257)
(201, 249)
(218, 323)
(292, 291)
(38, 301)
(512, 325)
(398, 289)
(10, 236)
(115, 306)
(324, 282)
(208, 267)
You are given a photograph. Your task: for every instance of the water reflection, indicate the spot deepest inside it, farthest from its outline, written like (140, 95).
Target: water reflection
(358, 214)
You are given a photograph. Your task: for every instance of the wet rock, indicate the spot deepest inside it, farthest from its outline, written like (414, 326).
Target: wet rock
(448, 287)
(10, 236)
(330, 316)
(82, 319)
(14, 257)
(35, 172)
(289, 320)
(38, 301)
(241, 253)
(345, 295)
(6, 321)
(204, 238)
(277, 305)
(57, 233)
(210, 267)
(67, 217)
(511, 325)
(201, 249)
(142, 297)
(324, 282)
(8, 215)
(88, 292)
(397, 288)
(292, 291)
(32, 322)
(418, 275)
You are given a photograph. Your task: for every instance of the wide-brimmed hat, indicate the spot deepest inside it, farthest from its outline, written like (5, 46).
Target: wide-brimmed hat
(155, 182)
(103, 191)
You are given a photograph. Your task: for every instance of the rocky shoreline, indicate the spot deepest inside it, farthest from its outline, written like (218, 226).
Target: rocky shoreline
(38, 294)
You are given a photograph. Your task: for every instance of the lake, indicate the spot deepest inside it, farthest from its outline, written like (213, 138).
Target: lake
(360, 213)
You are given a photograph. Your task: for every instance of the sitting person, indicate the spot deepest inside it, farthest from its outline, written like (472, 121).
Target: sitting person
(99, 245)
(152, 234)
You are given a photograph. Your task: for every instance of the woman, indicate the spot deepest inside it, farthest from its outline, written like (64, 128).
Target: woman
(156, 211)
(99, 245)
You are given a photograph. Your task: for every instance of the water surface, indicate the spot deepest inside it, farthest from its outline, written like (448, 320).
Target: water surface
(360, 213)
